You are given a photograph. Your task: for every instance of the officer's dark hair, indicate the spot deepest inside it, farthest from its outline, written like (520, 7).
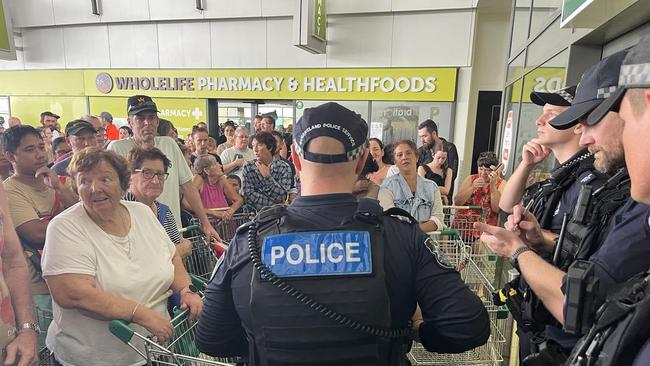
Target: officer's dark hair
(268, 140)
(409, 143)
(487, 159)
(12, 136)
(429, 125)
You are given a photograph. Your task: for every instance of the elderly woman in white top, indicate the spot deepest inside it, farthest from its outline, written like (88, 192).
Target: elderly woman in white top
(411, 192)
(105, 259)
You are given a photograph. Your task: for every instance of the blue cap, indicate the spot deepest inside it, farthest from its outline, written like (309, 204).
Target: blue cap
(331, 120)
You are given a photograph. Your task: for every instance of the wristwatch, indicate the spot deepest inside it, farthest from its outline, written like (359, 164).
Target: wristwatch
(191, 288)
(29, 326)
(515, 255)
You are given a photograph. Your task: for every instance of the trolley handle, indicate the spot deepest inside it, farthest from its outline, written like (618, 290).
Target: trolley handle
(447, 231)
(464, 207)
(188, 228)
(121, 329)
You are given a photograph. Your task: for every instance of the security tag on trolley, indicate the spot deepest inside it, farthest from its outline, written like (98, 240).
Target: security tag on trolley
(322, 253)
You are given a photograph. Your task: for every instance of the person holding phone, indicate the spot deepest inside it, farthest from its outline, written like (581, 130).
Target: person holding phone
(233, 158)
(481, 189)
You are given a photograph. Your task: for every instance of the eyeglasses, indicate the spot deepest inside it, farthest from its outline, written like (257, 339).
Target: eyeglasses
(149, 174)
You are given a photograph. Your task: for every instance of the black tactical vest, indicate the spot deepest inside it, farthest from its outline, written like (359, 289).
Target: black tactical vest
(323, 319)
(621, 327)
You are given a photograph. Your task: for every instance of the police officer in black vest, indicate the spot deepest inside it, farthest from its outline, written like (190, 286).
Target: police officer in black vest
(607, 228)
(332, 281)
(620, 334)
(550, 201)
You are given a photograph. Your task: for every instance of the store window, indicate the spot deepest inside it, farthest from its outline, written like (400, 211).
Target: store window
(285, 113)
(394, 121)
(520, 25)
(512, 104)
(240, 113)
(547, 78)
(542, 13)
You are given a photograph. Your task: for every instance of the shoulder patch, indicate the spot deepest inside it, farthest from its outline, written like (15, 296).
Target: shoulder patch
(588, 178)
(440, 257)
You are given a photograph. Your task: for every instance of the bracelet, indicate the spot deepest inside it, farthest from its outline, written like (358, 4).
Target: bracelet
(133, 312)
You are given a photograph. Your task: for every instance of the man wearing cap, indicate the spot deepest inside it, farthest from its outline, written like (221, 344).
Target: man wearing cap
(80, 135)
(329, 280)
(143, 120)
(615, 254)
(49, 119)
(618, 336)
(111, 130)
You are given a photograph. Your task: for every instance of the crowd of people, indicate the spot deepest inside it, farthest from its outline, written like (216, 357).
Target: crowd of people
(90, 218)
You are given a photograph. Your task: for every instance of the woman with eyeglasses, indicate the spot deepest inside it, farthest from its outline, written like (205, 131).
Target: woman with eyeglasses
(107, 258)
(481, 189)
(148, 173)
(412, 192)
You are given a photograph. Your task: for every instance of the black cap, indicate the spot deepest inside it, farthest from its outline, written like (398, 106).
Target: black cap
(332, 120)
(634, 73)
(78, 126)
(596, 84)
(561, 98)
(140, 103)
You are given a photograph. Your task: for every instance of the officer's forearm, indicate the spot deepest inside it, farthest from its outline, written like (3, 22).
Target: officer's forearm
(514, 189)
(545, 280)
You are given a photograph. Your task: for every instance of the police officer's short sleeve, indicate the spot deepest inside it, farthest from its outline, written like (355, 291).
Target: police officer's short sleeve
(455, 319)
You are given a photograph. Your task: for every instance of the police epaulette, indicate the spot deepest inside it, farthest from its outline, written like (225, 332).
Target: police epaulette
(401, 214)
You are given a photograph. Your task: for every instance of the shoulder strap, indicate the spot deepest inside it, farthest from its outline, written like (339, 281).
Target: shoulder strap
(369, 211)
(162, 212)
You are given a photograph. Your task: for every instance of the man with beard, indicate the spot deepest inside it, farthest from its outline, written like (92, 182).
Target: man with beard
(431, 142)
(143, 120)
(616, 254)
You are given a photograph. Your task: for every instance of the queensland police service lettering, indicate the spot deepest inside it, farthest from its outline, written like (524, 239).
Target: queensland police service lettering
(323, 253)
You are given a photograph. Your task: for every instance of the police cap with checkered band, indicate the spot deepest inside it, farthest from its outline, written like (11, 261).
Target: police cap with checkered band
(596, 84)
(332, 120)
(634, 73)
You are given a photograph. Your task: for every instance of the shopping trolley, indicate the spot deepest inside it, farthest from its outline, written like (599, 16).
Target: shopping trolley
(461, 255)
(180, 350)
(228, 228)
(462, 218)
(203, 259)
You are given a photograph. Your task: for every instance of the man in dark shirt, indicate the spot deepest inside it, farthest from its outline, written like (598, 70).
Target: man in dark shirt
(431, 142)
(329, 152)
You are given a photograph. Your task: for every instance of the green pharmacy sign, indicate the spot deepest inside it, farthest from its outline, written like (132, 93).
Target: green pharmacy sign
(320, 20)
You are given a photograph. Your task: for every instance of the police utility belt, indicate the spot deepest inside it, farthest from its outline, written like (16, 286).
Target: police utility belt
(321, 296)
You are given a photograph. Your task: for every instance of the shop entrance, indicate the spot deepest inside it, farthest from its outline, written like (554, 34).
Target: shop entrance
(242, 112)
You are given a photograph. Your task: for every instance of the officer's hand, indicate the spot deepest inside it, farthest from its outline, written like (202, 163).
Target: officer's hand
(534, 153)
(501, 241)
(526, 225)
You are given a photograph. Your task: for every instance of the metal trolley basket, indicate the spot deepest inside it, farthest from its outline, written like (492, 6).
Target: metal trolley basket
(203, 259)
(475, 271)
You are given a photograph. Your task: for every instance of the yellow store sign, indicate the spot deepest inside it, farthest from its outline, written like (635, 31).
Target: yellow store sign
(183, 113)
(542, 79)
(407, 84)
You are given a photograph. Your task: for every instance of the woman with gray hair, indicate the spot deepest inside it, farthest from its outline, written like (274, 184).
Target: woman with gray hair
(214, 188)
(105, 259)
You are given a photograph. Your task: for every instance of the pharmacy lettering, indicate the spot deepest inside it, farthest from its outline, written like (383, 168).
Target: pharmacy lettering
(430, 84)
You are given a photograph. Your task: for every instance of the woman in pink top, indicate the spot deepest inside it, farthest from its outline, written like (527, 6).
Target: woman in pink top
(214, 188)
